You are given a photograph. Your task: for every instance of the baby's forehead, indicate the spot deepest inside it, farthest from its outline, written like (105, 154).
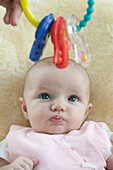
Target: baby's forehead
(72, 68)
(47, 66)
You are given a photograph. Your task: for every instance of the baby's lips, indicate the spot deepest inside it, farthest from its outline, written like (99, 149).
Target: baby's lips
(35, 162)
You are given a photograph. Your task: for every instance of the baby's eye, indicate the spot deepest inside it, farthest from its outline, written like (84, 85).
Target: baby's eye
(45, 96)
(73, 98)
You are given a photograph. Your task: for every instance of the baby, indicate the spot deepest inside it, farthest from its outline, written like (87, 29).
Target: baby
(56, 102)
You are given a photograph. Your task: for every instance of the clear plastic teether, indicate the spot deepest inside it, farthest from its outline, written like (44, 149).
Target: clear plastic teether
(77, 40)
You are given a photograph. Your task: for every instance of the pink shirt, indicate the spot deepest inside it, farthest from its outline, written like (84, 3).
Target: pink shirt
(83, 149)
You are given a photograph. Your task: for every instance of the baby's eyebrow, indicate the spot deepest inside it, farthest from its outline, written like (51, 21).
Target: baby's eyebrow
(45, 87)
(42, 86)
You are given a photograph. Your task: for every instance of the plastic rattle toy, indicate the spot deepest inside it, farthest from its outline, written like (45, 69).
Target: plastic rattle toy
(28, 13)
(62, 32)
(77, 40)
(61, 45)
(41, 36)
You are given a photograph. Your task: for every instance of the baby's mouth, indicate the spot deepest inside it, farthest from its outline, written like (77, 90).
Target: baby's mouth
(56, 119)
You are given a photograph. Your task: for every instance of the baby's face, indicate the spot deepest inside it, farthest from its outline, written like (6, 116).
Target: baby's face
(57, 100)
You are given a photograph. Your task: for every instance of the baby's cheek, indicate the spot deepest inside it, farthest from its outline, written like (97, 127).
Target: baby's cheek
(42, 106)
(76, 121)
(38, 113)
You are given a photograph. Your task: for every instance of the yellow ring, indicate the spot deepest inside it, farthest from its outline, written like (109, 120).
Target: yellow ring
(28, 13)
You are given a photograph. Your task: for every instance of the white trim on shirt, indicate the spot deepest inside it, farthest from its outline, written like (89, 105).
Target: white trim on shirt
(4, 153)
(108, 133)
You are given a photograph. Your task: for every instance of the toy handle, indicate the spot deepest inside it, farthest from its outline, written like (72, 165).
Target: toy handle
(28, 13)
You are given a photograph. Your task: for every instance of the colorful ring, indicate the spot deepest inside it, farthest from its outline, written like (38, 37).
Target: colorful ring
(87, 16)
(28, 13)
(35, 22)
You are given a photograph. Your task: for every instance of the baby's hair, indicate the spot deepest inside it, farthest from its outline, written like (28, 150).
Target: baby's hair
(48, 62)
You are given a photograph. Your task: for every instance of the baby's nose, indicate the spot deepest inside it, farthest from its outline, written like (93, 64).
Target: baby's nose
(58, 106)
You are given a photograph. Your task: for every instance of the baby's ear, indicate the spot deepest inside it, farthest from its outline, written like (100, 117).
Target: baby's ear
(23, 107)
(89, 107)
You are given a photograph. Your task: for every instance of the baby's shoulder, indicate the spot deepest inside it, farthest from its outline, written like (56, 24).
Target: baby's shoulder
(16, 127)
(19, 129)
(95, 127)
(93, 124)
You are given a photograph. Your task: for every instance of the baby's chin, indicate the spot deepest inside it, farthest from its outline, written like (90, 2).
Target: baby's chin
(53, 132)
(56, 131)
